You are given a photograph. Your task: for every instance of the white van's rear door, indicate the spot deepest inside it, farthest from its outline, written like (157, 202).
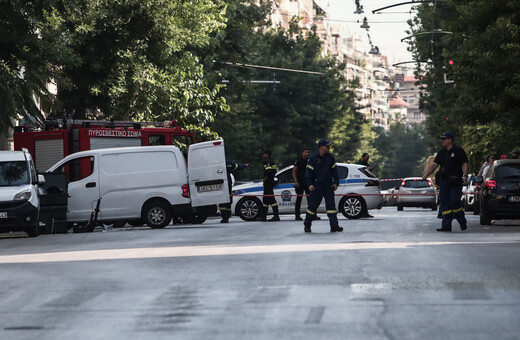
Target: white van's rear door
(207, 173)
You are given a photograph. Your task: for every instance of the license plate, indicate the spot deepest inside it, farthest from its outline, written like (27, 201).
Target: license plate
(208, 188)
(514, 199)
(3, 215)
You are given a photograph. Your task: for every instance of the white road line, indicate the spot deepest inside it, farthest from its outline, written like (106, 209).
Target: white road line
(216, 250)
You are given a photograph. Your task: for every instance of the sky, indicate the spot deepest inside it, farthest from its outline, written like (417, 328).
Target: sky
(386, 29)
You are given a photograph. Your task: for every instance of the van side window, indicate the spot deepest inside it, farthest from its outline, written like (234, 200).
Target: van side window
(78, 168)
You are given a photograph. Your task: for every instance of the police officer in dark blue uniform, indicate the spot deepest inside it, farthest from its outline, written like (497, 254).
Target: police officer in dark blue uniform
(225, 208)
(322, 179)
(453, 174)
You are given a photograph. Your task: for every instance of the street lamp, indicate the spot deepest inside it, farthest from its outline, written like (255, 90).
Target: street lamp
(359, 8)
(365, 23)
(438, 31)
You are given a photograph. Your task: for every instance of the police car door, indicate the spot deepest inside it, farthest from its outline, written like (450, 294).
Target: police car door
(207, 173)
(284, 191)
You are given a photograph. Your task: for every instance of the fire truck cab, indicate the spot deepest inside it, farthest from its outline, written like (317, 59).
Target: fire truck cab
(61, 138)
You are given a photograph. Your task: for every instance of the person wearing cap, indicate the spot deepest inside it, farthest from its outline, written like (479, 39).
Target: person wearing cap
(225, 208)
(322, 178)
(454, 174)
(269, 182)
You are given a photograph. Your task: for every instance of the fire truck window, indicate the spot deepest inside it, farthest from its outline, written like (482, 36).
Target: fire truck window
(156, 140)
(182, 142)
(78, 168)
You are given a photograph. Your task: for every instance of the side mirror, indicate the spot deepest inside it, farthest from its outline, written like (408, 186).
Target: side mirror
(478, 179)
(276, 179)
(41, 180)
(396, 188)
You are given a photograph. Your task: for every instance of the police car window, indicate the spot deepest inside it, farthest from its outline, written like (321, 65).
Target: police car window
(285, 177)
(367, 172)
(343, 172)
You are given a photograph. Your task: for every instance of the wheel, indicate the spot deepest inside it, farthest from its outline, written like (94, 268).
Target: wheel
(353, 207)
(33, 231)
(400, 207)
(485, 219)
(157, 214)
(196, 218)
(249, 208)
(135, 223)
(434, 207)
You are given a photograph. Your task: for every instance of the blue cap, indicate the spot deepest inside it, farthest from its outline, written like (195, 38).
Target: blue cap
(446, 135)
(323, 142)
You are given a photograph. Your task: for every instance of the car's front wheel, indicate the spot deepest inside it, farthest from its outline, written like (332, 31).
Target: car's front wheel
(353, 207)
(33, 231)
(249, 208)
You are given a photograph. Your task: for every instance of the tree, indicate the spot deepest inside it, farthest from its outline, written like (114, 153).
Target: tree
(135, 60)
(32, 43)
(484, 48)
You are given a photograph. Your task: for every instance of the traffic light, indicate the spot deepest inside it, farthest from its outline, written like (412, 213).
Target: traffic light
(448, 72)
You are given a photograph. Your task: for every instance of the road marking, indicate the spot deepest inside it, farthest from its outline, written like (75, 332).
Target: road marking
(315, 315)
(216, 250)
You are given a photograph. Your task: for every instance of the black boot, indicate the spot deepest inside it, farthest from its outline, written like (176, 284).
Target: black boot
(276, 217)
(226, 214)
(336, 229)
(307, 228)
(263, 215)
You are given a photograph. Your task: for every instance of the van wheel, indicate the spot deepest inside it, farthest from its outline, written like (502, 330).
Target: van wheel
(196, 218)
(157, 214)
(249, 208)
(400, 207)
(353, 207)
(33, 231)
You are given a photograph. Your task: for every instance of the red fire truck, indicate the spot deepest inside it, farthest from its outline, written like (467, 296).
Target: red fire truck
(61, 138)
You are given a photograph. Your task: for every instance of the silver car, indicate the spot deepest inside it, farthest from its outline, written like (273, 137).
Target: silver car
(416, 192)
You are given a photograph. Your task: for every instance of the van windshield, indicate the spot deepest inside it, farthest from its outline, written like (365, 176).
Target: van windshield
(13, 173)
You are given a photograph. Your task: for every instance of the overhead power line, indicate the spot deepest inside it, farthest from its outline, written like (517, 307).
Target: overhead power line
(272, 68)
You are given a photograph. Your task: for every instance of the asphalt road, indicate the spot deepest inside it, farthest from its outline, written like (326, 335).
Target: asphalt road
(391, 277)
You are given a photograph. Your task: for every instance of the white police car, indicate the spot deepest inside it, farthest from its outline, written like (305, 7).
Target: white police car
(355, 180)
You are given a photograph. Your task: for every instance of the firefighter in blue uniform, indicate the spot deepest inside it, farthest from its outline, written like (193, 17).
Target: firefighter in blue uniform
(225, 208)
(322, 179)
(269, 182)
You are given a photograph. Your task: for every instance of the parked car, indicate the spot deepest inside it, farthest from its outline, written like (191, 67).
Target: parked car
(500, 192)
(416, 192)
(146, 184)
(19, 196)
(468, 194)
(355, 180)
(390, 197)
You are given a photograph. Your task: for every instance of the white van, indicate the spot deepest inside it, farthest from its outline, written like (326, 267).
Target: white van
(19, 197)
(145, 184)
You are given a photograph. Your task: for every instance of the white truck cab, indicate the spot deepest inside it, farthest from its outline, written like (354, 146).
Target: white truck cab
(145, 184)
(19, 197)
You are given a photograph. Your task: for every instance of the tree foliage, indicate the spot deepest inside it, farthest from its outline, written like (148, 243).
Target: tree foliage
(484, 44)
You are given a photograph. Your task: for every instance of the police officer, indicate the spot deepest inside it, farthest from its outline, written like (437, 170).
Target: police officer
(225, 208)
(454, 173)
(322, 178)
(268, 199)
(300, 185)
